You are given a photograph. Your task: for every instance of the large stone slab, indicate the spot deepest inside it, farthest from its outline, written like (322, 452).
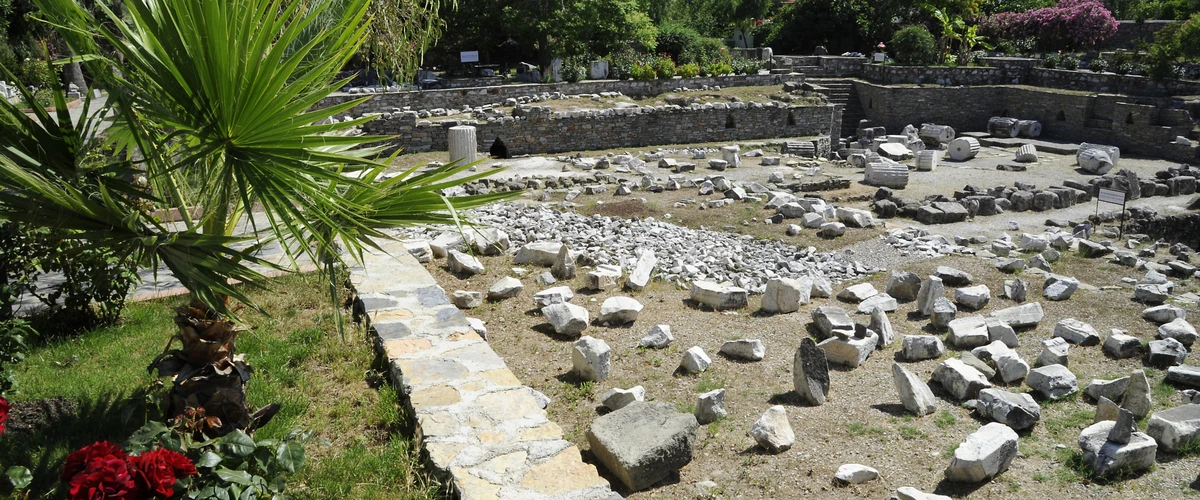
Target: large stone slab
(985, 454)
(1184, 375)
(643, 443)
(785, 295)
(567, 319)
(773, 431)
(849, 352)
(921, 347)
(1103, 456)
(832, 321)
(968, 332)
(1052, 381)
(1022, 316)
(718, 296)
(914, 393)
(1018, 411)
(1076, 332)
(810, 372)
(1176, 426)
(960, 380)
(591, 359)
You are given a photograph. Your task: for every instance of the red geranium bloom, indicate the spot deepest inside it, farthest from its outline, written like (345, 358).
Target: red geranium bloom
(3, 413)
(157, 470)
(106, 477)
(81, 459)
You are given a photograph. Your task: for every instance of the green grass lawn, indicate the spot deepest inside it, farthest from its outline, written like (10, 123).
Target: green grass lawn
(299, 361)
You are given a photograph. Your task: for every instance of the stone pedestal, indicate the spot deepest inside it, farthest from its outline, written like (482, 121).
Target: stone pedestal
(462, 144)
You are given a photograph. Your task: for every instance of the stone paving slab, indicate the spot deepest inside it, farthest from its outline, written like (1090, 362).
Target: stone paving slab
(1042, 145)
(483, 430)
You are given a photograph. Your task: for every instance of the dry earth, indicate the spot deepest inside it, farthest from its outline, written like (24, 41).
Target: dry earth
(863, 421)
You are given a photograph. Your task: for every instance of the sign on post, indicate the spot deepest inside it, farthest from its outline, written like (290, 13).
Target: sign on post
(1116, 198)
(469, 56)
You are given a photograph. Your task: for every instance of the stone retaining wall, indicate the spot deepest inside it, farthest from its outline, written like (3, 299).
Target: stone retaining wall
(823, 66)
(478, 96)
(1129, 33)
(1173, 229)
(539, 130)
(1024, 71)
(483, 432)
(1138, 125)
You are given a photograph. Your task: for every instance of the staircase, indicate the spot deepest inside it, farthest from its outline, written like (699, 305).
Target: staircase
(842, 91)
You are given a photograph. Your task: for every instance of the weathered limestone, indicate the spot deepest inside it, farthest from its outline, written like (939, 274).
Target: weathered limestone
(968, 332)
(857, 293)
(567, 319)
(1052, 381)
(832, 321)
(931, 290)
(1000, 331)
(772, 431)
(541, 254)
(881, 325)
(849, 352)
(619, 310)
(591, 359)
(1016, 290)
(1137, 395)
(617, 398)
(1077, 332)
(461, 263)
(921, 347)
(1103, 455)
(506, 288)
(973, 298)
(1184, 375)
(1164, 314)
(855, 474)
(1121, 346)
(1018, 411)
(462, 144)
(1176, 426)
(603, 277)
(1059, 287)
(985, 454)
(914, 393)
(903, 286)
(1054, 352)
(1179, 329)
(785, 295)
(961, 381)
(944, 313)
(718, 296)
(463, 299)
(1166, 353)
(639, 277)
(963, 148)
(564, 264)
(643, 442)
(1022, 316)
(658, 337)
(555, 295)
(810, 372)
(744, 349)
(695, 360)
(710, 407)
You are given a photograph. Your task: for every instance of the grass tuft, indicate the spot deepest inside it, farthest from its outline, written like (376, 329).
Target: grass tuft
(944, 419)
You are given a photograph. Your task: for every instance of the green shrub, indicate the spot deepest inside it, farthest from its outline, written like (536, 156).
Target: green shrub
(1122, 62)
(36, 73)
(674, 39)
(1051, 61)
(718, 69)
(1070, 62)
(913, 45)
(746, 66)
(1099, 65)
(642, 71)
(690, 70)
(664, 67)
(573, 70)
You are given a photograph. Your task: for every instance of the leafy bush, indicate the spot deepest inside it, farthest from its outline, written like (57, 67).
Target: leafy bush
(1051, 61)
(690, 70)
(1122, 62)
(620, 64)
(36, 73)
(664, 67)
(1172, 45)
(746, 66)
(718, 69)
(573, 70)
(685, 45)
(913, 45)
(642, 71)
(1069, 24)
(1070, 62)
(1099, 65)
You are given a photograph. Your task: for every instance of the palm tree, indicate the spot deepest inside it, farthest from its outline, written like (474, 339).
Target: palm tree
(213, 103)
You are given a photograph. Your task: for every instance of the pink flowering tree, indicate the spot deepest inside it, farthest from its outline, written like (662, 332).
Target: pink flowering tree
(1072, 24)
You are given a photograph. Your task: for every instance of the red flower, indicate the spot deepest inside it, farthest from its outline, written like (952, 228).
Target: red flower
(157, 470)
(3, 413)
(81, 460)
(105, 477)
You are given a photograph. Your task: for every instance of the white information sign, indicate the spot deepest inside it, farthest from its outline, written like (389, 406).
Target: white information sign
(471, 56)
(1112, 196)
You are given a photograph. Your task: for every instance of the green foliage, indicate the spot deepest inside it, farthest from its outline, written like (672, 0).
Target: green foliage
(664, 68)
(944, 419)
(718, 69)
(1122, 62)
(1016, 46)
(1174, 44)
(1051, 61)
(1099, 65)
(745, 66)
(689, 70)
(913, 45)
(573, 69)
(643, 71)
(13, 343)
(839, 26)
(232, 466)
(36, 73)
(620, 64)
(399, 34)
(686, 46)
(1070, 62)
(1157, 9)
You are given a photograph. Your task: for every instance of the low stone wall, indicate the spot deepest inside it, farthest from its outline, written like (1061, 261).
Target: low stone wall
(1025, 71)
(478, 96)
(1143, 126)
(539, 130)
(823, 66)
(1173, 229)
(483, 432)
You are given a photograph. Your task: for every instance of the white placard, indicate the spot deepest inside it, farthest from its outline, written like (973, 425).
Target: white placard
(1112, 196)
(470, 56)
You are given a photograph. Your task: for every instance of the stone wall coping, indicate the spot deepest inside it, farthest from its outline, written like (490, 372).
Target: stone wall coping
(480, 429)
